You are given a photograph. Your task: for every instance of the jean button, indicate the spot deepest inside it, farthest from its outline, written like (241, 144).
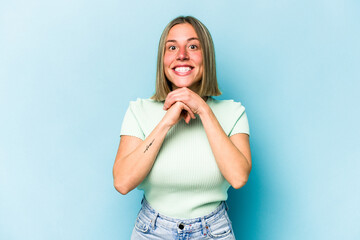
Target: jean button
(181, 226)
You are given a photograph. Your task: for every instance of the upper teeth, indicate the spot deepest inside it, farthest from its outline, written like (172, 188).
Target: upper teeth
(182, 69)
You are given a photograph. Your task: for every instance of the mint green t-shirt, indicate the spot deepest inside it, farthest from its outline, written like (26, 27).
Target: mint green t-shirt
(185, 181)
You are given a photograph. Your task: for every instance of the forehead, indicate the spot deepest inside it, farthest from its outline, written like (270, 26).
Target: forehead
(182, 31)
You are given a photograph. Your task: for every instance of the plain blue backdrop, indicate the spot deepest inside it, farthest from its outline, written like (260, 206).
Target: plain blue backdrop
(68, 69)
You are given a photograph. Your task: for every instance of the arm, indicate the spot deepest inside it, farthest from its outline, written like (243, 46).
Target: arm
(232, 154)
(136, 157)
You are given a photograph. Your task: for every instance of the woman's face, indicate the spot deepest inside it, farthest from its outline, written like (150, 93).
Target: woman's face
(183, 61)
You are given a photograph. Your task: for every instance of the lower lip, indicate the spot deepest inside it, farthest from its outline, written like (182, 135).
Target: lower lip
(182, 73)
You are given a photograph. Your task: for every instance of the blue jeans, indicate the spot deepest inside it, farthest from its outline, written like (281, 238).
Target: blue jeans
(152, 225)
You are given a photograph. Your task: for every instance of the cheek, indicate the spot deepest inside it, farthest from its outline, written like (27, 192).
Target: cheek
(167, 60)
(198, 59)
(167, 63)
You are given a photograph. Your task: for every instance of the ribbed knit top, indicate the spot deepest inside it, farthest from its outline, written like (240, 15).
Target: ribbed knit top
(185, 181)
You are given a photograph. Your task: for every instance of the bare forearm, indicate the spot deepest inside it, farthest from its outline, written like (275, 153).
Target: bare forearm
(135, 158)
(130, 170)
(232, 163)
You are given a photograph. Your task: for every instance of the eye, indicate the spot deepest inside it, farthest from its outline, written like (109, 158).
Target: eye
(193, 47)
(172, 47)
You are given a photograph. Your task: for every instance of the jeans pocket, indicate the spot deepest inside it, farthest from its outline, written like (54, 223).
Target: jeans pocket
(141, 226)
(220, 228)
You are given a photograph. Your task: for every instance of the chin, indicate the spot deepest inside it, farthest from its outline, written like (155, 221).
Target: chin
(182, 83)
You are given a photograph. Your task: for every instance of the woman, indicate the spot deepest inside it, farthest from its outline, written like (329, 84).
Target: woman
(182, 147)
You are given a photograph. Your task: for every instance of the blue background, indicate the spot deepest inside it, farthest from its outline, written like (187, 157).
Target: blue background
(68, 69)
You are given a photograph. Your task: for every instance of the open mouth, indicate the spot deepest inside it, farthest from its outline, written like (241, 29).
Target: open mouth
(182, 69)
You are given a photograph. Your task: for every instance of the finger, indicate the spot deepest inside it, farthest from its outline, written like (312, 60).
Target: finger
(183, 114)
(187, 118)
(192, 115)
(169, 101)
(176, 97)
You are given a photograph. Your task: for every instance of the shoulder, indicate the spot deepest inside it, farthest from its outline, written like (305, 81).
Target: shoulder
(144, 102)
(226, 106)
(145, 106)
(147, 112)
(228, 113)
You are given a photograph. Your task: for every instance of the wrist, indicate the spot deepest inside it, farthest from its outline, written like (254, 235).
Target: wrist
(165, 123)
(204, 109)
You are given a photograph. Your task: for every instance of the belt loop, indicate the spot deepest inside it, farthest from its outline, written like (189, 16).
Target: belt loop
(226, 206)
(154, 220)
(204, 227)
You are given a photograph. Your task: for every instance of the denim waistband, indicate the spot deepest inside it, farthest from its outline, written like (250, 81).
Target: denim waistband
(150, 215)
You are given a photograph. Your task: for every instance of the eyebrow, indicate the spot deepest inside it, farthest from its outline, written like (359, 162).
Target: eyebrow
(190, 39)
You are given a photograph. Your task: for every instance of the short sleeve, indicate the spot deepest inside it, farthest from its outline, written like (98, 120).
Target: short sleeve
(241, 125)
(131, 126)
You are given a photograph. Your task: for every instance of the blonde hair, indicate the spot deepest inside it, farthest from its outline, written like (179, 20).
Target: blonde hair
(209, 86)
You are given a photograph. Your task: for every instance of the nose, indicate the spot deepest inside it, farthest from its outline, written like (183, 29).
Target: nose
(182, 54)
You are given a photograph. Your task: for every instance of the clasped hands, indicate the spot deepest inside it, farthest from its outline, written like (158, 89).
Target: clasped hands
(183, 103)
